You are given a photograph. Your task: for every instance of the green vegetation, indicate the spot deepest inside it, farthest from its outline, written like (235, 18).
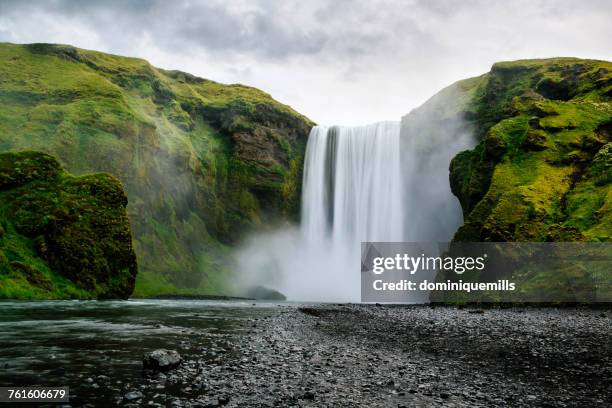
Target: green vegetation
(542, 168)
(62, 236)
(203, 163)
(534, 175)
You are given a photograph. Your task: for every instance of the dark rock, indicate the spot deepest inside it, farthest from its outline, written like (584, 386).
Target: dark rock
(534, 122)
(311, 311)
(309, 395)
(263, 293)
(58, 372)
(132, 396)
(555, 89)
(495, 146)
(535, 140)
(161, 360)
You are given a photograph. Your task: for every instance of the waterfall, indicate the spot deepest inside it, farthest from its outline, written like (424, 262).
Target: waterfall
(382, 182)
(352, 185)
(351, 192)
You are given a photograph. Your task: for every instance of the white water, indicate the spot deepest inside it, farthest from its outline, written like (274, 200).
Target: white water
(351, 192)
(363, 183)
(352, 188)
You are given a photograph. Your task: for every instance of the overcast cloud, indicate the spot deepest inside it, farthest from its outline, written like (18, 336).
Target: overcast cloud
(338, 62)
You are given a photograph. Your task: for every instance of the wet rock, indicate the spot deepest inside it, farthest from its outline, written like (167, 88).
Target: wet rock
(58, 372)
(161, 360)
(363, 355)
(132, 396)
(309, 395)
(263, 293)
(311, 311)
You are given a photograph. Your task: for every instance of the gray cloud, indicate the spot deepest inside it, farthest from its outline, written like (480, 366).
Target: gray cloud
(183, 25)
(334, 60)
(266, 29)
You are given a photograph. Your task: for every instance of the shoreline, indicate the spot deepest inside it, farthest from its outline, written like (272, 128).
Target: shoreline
(364, 355)
(189, 297)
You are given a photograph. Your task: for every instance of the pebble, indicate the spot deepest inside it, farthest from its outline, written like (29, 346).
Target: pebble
(381, 356)
(133, 396)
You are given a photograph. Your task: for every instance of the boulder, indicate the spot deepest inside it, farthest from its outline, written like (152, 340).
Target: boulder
(161, 360)
(263, 293)
(132, 396)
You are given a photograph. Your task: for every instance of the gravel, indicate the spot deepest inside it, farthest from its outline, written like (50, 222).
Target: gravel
(389, 356)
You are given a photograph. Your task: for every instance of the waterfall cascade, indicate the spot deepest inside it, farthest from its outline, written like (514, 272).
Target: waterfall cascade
(363, 183)
(352, 188)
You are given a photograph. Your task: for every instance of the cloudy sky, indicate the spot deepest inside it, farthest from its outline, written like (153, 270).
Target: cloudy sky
(336, 61)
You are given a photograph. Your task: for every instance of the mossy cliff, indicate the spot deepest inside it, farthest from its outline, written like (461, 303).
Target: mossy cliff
(203, 163)
(542, 166)
(62, 236)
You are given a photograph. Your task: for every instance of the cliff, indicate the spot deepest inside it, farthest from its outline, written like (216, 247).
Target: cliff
(62, 236)
(203, 163)
(541, 170)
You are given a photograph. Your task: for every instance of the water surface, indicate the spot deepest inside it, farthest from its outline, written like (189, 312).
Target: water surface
(74, 342)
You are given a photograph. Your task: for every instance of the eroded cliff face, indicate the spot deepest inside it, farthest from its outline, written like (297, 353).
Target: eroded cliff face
(542, 168)
(62, 236)
(203, 163)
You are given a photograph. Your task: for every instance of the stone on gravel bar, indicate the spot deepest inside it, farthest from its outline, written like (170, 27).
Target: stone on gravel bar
(161, 360)
(132, 396)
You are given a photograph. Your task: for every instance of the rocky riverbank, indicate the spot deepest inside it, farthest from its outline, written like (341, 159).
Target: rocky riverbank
(358, 355)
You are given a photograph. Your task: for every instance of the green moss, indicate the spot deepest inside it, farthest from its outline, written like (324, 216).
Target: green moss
(208, 161)
(541, 171)
(64, 236)
(541, 163)
(20, 168)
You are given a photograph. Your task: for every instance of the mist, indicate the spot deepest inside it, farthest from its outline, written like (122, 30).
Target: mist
(385, 182)
(431, 136)
(281, 260)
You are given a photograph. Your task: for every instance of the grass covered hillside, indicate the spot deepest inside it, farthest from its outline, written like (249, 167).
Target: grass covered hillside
(542, 168)
(203, 163)
(62, 236)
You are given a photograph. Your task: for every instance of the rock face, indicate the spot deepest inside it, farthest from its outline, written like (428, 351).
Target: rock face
(62, 236)
(542, 168)
(203, 163)
(161, 360)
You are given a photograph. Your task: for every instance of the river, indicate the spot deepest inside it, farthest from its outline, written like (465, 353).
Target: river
(73, 343)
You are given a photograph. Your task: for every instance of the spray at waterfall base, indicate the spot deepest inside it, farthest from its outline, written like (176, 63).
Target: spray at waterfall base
(362, 183)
